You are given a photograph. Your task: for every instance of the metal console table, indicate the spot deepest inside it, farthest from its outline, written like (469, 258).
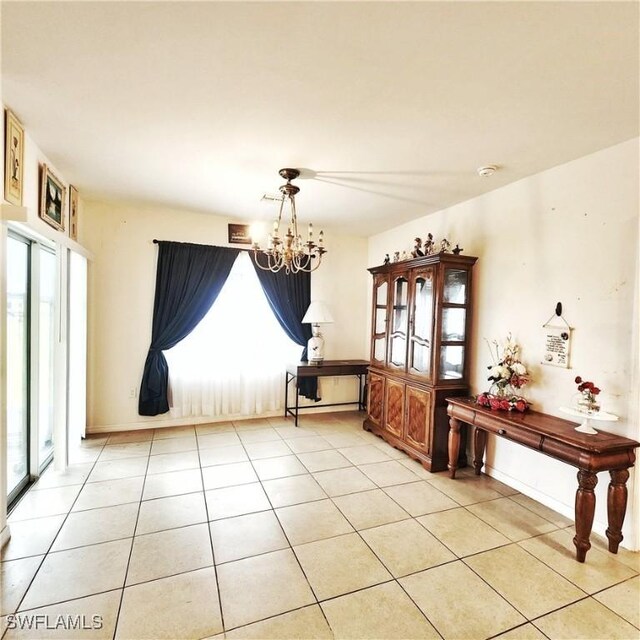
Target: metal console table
(327, 368)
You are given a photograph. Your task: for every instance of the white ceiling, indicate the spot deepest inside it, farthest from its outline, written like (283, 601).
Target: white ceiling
(389, 107)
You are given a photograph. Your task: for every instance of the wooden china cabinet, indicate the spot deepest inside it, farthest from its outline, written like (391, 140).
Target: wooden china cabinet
(420, 326)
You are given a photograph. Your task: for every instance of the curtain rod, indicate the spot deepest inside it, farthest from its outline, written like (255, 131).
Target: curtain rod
(156, 241)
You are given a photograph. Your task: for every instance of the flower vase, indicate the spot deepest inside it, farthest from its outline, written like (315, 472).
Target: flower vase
(501, 391)
(583, 404)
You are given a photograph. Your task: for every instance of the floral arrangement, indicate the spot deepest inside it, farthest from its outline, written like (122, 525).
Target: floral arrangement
(508, 403)
(507, 373)
(587, 400)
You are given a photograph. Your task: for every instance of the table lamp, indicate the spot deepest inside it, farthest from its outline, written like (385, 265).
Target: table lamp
(317, 314)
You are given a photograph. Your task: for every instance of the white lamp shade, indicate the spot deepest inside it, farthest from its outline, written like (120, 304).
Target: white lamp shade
(318, 313)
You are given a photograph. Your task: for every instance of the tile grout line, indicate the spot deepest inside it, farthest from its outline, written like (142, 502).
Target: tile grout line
(66, 516)
(213, 551)
(133, 539)
(284, 533)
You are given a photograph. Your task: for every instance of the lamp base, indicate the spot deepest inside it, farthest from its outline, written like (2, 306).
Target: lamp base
(315, 349)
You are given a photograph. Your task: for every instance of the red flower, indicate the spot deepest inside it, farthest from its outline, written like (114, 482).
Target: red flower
(504, 405)
(521, 405)
(595, 391)
(578, 379)
(482, 400)
(494, 403)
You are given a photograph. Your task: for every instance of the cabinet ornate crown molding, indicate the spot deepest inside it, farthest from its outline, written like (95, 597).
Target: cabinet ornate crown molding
(420, 327)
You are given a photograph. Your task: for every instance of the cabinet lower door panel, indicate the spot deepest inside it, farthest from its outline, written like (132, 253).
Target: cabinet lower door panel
(375, 407)
(418, 422)
(394, 404)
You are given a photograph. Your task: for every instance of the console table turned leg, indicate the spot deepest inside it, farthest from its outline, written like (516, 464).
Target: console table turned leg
(479, 445)
(616, 506)
(454, 446)
(585, 508)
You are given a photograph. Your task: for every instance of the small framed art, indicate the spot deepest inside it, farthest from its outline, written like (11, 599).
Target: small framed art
(73, 212)
(239, 234)
(13, 159)
(53, 195)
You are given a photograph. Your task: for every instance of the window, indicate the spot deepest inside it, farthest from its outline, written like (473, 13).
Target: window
(233, 362)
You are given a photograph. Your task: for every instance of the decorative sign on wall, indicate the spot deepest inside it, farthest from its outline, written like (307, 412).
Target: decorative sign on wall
(239, 234)
(557, 340)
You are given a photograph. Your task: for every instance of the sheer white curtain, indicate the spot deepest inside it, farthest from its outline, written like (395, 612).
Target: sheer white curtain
(233, 363)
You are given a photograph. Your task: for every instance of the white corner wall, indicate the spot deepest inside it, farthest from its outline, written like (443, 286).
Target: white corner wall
(569, 234)
(121, 294)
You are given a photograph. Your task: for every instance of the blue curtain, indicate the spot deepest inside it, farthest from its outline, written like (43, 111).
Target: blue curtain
(289, 297)
(189, 278)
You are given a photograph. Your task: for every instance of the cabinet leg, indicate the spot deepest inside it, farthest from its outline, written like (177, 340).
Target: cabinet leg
(585, 508)
(479, 445)
(616, 507)
(454, 446)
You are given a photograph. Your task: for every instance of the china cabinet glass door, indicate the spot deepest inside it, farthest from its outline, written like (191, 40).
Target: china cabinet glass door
(379, 322)
(421, 323)
(454, 323)
(399, 323)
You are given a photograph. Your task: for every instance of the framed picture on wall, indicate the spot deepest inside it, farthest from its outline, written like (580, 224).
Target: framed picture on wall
(53, 195)
(239, 234)
(13, 159)
(73, 212)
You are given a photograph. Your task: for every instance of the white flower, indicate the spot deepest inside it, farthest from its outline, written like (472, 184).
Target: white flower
(519, 369)
(495, 371)
(505, 373)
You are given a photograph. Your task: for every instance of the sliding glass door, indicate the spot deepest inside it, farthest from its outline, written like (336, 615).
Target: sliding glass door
(18, 291)
(32, 278)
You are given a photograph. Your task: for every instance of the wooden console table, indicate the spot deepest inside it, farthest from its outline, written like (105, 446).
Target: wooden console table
(558, 439)
(324, 369)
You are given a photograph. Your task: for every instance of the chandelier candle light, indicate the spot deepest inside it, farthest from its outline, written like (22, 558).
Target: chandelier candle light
(289, 252)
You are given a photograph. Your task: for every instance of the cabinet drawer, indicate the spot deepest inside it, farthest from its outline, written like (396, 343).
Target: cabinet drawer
(521, 436)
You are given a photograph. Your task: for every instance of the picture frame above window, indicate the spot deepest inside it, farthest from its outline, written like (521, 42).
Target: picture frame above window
(53, 196)
(239, 234)
(73, 212)
(13, 159)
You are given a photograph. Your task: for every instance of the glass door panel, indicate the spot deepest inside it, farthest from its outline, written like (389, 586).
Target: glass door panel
(399, 322)
(453, 324)
(455, 286)
(46, 322)
(380, 321)
(422, 323)
(17, 365)
(451, 362)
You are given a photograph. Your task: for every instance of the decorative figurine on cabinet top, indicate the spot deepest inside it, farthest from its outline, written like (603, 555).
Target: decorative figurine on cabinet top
(417, 248)
(457, 250)
(428, 245)
(445, 246)
(396, 256)
(387, 259)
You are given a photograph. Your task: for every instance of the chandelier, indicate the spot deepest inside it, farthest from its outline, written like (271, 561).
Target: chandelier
(289, 252)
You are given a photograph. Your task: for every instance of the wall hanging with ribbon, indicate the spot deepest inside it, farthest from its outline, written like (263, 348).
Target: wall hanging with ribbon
(557, 340)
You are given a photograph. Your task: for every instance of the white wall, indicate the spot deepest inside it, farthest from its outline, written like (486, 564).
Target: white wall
(121, 293)
(569, 234)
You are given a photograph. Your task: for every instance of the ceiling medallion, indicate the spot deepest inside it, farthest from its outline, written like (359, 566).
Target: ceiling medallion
(289, 252)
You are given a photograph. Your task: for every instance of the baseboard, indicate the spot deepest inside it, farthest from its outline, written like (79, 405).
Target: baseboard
(5, 534)
(566, 510)
(159, 423)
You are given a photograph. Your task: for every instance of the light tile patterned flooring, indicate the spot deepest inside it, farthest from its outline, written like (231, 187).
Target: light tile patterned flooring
(258, 529)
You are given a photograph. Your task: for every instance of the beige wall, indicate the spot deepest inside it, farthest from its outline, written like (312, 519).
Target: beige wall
(121, 292)
(569, 234)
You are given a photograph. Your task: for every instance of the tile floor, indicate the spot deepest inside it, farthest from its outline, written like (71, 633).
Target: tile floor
(257, 529)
